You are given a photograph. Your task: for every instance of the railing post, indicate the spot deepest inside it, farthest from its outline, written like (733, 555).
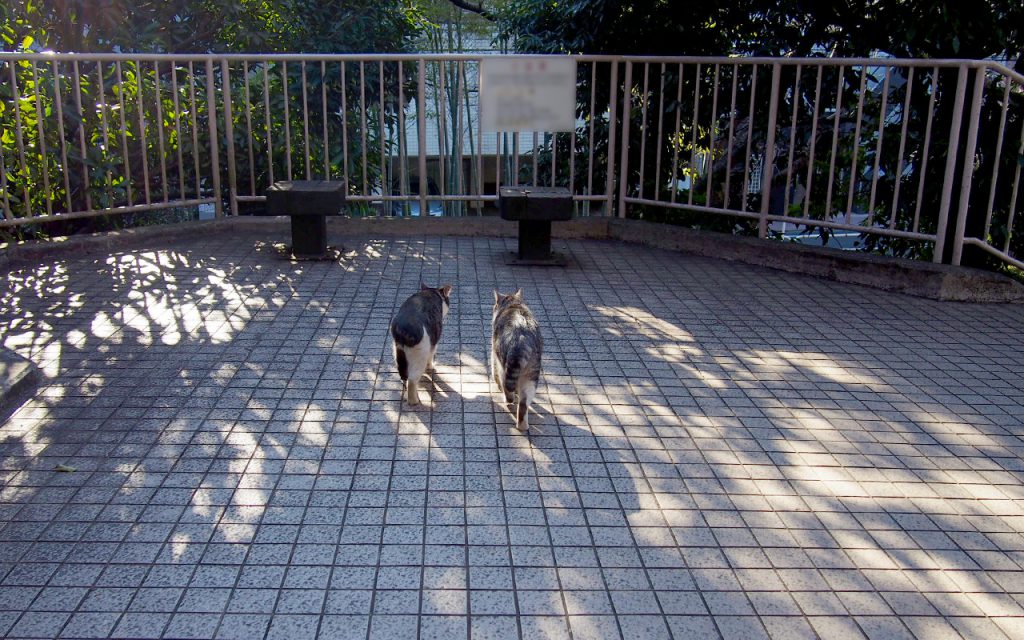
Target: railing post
(229, 135)
(768, 165)
(967, 177)
(951, 154)
(612, 115)
(627, 109)
(421, 131)
(211, 112)
(16, 103)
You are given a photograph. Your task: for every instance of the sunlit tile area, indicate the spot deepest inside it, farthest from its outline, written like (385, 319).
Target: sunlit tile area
(220, 450)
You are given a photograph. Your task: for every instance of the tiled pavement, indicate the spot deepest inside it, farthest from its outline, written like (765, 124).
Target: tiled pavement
(721, 450)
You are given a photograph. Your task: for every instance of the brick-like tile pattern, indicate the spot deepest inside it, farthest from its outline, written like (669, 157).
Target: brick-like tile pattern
(722, 450)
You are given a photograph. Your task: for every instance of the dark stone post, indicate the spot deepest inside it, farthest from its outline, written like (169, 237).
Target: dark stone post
(535, 208)
(308, 203)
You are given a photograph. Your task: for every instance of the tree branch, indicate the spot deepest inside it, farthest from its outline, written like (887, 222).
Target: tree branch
(477, 9)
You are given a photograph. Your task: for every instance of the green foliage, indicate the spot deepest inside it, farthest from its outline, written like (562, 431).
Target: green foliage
(908, 28)
(123, 130)
(299, 90)
(649, 27)
(902, 28)
(199, 26)
(114, 127)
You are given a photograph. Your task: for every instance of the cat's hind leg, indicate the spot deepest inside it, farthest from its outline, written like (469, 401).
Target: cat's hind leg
(527, 393)
(430, 363)
(496, 370)
(418, 357)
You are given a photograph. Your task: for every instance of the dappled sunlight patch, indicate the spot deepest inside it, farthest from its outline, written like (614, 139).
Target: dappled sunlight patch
(316, 418)
(638, 321)
(273, 446)
(179, 547)
(91, 384)
(26, 341)
(414, 436)
(33, 332)
(51, 359)
(796, 365)
(471, 390)
(469, 377)
(527, 447)
(76, 337)
(811, 420)
(103, 327)
(310, 434)
(203, 512)
(14, 495)
(832, 488)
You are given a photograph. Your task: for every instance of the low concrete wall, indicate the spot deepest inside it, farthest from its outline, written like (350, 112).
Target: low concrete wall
(590, 228)
(923, 279)
(33, 252)
(912, 277)
(18, 378)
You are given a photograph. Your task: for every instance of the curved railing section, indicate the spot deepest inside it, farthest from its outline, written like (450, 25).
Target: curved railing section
(920, 158)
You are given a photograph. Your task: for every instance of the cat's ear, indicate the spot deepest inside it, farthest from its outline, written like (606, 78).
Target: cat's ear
(518, 294)
(446, 290)
(497, 296)
(423, 287)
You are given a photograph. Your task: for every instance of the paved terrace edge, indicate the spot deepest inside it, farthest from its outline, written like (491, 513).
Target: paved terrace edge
(19, 378)
(915, 278)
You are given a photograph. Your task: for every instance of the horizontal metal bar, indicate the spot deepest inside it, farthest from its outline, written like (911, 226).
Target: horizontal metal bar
(694, 207)
(814, 62)
(408, 198)
(275, 57)
(795, 221)
(1004, 70)
(451, 198)
(138, 208)
(393, 57)
(415, 198)
(981, 244)
(842, 226)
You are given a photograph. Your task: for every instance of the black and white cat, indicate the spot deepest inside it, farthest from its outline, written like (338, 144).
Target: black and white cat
(416, 330)
(516, 346)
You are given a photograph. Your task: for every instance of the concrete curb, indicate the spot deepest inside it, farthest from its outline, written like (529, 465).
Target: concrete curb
(18, 378)
(32, 252)
(921, 279)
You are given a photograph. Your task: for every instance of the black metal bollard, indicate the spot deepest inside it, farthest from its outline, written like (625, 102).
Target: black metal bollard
(535, 208)
(307, 203)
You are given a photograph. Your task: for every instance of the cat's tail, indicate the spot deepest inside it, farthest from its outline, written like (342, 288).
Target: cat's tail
(405, 335)
(402, 362)
(512, 373)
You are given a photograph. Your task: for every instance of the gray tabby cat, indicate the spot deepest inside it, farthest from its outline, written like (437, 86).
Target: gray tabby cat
(516, 347)
(416, 330)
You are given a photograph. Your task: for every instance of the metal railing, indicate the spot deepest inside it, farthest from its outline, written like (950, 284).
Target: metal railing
(394, 118)
(94, 135)
(895, 152)
(882, 147)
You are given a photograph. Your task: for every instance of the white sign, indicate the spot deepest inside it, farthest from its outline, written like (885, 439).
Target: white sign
(528, 93)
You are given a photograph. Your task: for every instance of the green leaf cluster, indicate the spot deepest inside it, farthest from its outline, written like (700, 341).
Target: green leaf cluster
(800, 28)
(86, 135)
(200, 26)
